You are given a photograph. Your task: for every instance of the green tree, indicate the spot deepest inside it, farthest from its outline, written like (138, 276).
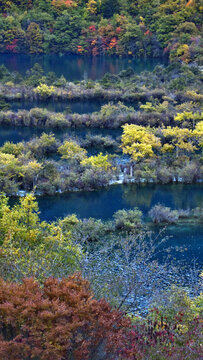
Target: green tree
(108, 8)
(34, 38)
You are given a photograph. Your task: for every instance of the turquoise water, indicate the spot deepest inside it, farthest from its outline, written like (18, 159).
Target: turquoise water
(102, 204)
(77, 67)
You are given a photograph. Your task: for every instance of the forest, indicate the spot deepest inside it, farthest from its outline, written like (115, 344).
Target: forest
(141, 28)
(101, 180)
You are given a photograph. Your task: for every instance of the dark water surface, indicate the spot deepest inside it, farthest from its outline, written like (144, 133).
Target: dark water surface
(17, 134)
(102, 204)
(77, 67)
(79, 107)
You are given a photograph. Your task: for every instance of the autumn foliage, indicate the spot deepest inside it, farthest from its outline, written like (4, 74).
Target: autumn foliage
(60, 320)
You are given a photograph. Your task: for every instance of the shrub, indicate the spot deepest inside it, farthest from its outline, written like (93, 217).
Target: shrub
(60, 320)
(129, 220)
(44, 90)
(160, 214)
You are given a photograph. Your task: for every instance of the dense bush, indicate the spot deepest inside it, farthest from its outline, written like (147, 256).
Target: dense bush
(128, 220)
(60, 320)
(161, 214)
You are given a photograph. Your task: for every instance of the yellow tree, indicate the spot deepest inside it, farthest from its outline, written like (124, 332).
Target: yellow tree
(91, 7)
(20, 224)
(99, 161)
(9, 165)
(44, 90)
(71, 151)
(139, 142)
(32, 247)
(189, 116)
(179, 139)
(198, 132)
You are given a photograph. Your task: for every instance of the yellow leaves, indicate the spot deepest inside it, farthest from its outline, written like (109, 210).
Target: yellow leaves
(188, 115)
(194, 95)
(91, 6)
(183, 51)
(11, 148)
(177, 133)
(33, 166)
(180, 138)
(100, 161)
(6, 159)
(35, 248)
(139, 142)
(9, 163)
(44, 90)
(198, 132)
(199, 128)
(167, 148)
(70, 150)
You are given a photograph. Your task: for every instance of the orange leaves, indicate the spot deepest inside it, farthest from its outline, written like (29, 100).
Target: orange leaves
(190, 2)
(93, 43)
(113, 43)
(80, 49)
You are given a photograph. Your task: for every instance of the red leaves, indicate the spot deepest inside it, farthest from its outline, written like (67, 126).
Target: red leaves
(118, 30)
(148, 32)
(92, 28)
(12, 47)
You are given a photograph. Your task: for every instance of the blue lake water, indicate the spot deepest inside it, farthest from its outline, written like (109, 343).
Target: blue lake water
(78, 67)
(79, 107)
(17, 134)
(102, 204)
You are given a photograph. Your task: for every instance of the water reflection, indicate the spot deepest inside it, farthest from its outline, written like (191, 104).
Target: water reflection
(76, 67)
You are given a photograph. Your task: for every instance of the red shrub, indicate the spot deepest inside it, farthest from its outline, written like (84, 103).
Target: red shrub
(60, 320)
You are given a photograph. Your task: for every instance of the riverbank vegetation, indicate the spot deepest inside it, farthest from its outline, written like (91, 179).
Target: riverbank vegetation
(121, 261)
(161, 126)
(48, 165)
(133, 28)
